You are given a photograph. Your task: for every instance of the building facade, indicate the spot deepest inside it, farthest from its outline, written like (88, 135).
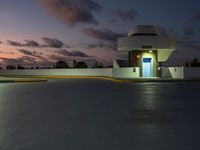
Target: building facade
(147, 48)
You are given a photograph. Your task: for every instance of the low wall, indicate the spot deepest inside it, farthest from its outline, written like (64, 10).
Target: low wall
(177, 72)
(166, 72)
(59, 72)
(107, 72)
(126, 72)
(172, 72)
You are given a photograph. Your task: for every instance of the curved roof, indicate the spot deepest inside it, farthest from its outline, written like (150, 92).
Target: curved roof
(144, 30)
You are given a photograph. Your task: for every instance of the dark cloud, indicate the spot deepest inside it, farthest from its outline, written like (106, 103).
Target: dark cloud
(26, 52)
(28, 43)
(32, 53)
(72, 53)
(54, 43)
(4, 52)
(102, 45)
(31, 43)
(67, 46)
(72, 12)
(57, 57)
(103, 34)
(128, 15)
(188, 44)
(92, 46)
(194, 18)
(163, 31)
(13, 43)
(188, 32)
(25, 60)
(49, 42)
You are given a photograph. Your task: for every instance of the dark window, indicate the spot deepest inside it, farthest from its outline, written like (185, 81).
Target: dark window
(147, 47)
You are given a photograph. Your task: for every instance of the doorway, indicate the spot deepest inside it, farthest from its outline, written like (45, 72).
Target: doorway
(147, 68)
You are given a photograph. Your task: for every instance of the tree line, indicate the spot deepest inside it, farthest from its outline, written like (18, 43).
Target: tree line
(192, 63)
(58, 65)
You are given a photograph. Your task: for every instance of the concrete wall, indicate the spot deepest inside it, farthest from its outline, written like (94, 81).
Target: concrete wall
(191, 72)
(126, 72)
(173, 72)
(166, 72)
(59, 72)
(115, 64)
(177, 72)
(137, 42)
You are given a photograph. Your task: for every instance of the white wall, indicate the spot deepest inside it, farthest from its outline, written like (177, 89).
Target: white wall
(177, 72)
(115, 64)
(173, 72)
(192, 72)
(167, 72)
(59, 72)
(126, 72)
(106, 72)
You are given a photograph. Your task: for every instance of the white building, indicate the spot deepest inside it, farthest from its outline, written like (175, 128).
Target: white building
(147, 47)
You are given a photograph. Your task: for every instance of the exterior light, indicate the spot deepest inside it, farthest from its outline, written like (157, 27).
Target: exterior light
(150, 51)
(138, 56)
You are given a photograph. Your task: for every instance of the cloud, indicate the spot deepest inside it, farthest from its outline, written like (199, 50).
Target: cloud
(102, 45)
(13, 43)
(54, 43)
(67, 46)
(92, 46)
(26, 52)
(72, 53)
(128, 15)
(4, 52)
(49, 42)
(28, 43)
(31, 43)
(57, 58)
(163, 31)
(188, 44)
(103, 34)
(32, 53)
(72, 12)
(188, 32)
(25, 60)
(194, 18)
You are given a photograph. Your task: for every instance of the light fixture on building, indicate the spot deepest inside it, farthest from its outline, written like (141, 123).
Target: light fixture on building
(138, 56)
(150, 51)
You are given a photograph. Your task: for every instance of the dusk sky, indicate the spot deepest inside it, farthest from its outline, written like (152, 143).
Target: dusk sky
(40, 32)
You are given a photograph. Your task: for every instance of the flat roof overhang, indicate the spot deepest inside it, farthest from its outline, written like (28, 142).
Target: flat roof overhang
(163, 45)
(148, 42)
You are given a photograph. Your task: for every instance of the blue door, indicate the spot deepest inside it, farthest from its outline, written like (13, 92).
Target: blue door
(147, 67)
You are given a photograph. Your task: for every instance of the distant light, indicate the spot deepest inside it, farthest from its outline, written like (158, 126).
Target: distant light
(150, 51)
(138, 56)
